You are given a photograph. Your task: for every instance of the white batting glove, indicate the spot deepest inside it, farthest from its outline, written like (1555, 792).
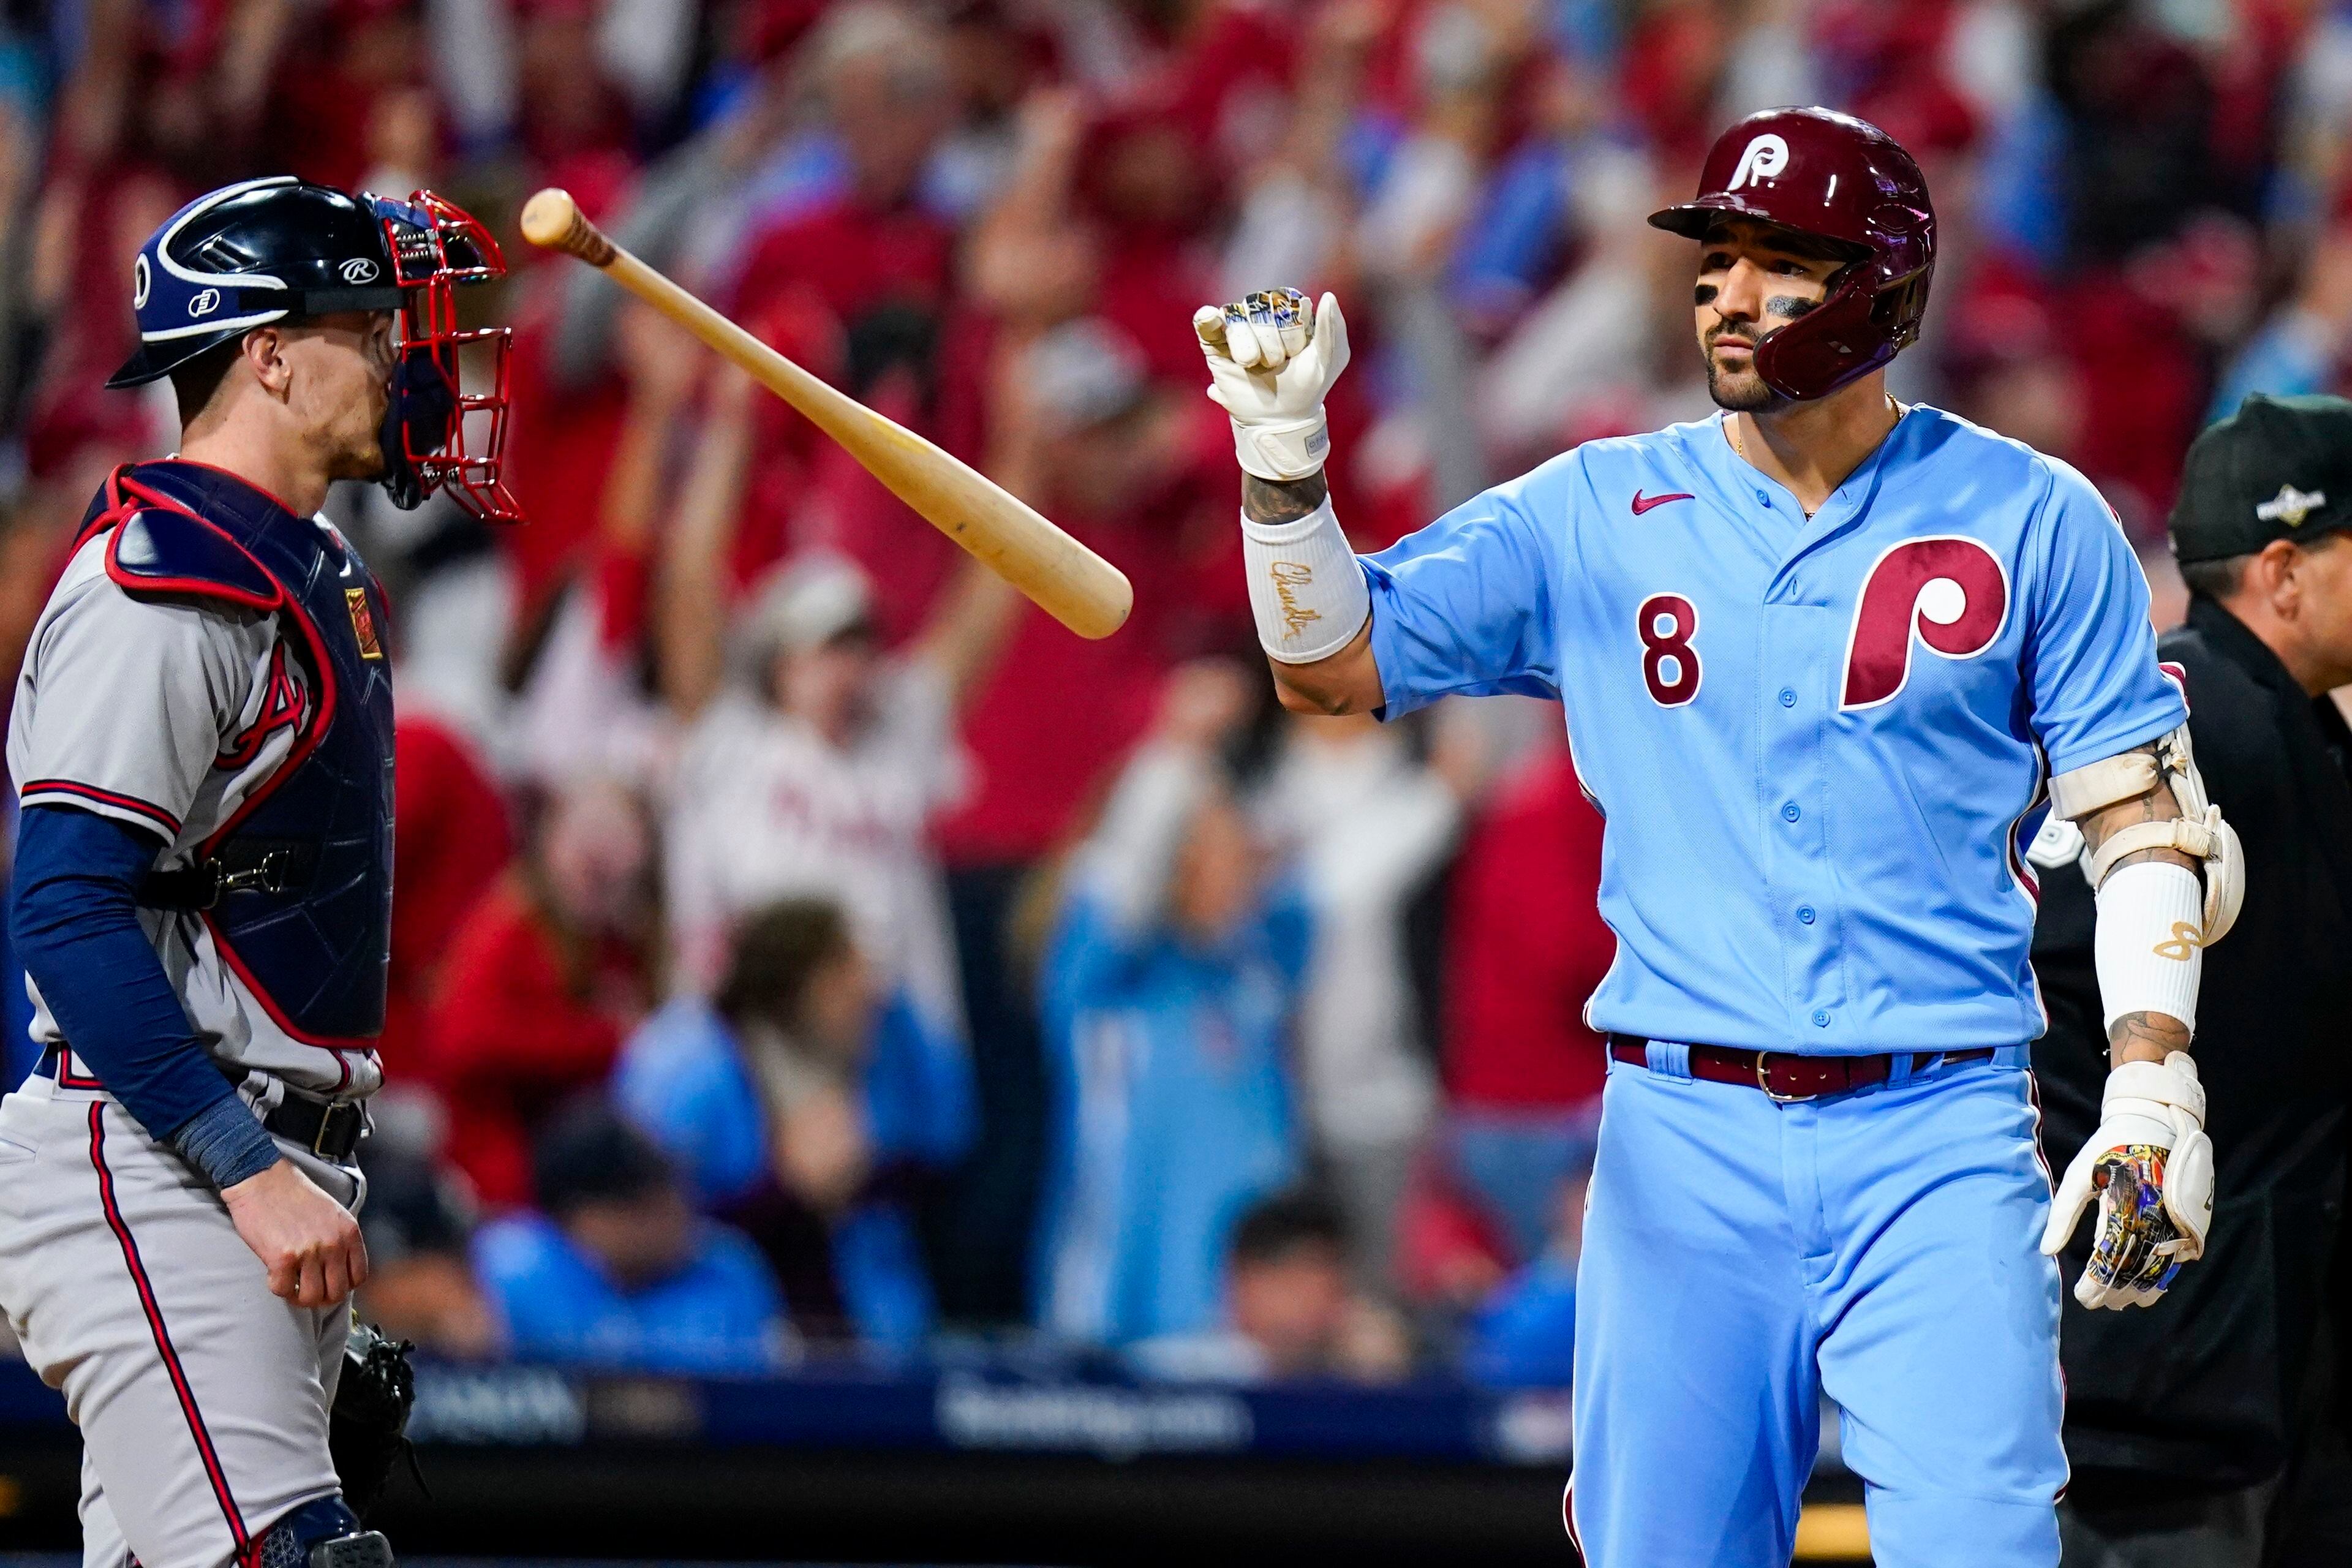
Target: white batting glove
(1269, 367)
(2151, 1167)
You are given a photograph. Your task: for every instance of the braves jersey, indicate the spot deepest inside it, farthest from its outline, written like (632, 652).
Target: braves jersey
(171, 716)
(1816, 741)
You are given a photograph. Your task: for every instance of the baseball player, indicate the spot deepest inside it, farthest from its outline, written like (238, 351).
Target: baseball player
(201, 744)
(1823, 659)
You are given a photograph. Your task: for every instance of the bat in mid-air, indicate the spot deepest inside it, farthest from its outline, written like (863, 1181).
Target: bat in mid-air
(1066, 579)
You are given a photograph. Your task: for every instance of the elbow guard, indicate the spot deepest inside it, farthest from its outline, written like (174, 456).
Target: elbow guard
(2198, 832)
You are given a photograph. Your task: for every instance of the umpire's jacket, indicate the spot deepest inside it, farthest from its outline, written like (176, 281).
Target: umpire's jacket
(2201, 1390)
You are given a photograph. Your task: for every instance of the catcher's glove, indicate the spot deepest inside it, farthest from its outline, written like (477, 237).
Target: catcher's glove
(367, 1431)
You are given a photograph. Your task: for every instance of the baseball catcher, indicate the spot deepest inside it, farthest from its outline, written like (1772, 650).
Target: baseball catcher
(201, 739)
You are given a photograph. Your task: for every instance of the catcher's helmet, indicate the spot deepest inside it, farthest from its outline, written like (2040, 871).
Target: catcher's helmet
(1841, 179)
(282, 249)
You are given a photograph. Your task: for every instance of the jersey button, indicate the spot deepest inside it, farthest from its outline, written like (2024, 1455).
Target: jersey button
(1789, 813)
(1820, 1019)
(1763, 499)
(1788, 697)
(1804, 914)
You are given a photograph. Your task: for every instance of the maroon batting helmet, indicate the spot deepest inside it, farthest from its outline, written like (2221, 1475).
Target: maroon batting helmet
(1842, 179)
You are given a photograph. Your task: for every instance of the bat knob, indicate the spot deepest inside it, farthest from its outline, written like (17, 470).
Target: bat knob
(553, 220)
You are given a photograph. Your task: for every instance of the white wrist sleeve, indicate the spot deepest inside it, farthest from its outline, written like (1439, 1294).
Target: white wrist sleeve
(2149, 950)
(1306, 587)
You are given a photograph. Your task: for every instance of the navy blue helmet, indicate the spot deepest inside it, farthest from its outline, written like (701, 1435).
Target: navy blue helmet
(280, 248)
(244, 256)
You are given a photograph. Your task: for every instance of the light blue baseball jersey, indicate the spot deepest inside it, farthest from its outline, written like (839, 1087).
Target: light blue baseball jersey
(1816, 741)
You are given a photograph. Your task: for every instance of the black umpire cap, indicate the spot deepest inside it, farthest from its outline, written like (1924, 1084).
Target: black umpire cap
(2280, 468)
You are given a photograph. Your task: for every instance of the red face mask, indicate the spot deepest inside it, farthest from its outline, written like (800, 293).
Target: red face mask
(446, 429)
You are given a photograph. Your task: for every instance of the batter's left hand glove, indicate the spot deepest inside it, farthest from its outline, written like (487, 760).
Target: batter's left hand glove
(1272, 358)
(2151, 1167)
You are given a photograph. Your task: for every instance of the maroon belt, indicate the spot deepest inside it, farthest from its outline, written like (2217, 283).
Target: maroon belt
(1784, 1077)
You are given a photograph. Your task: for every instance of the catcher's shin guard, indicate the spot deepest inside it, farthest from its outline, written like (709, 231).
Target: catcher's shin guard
(323, 1533)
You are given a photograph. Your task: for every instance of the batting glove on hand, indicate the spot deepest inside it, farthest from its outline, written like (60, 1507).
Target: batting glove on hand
(2151, 1166)
(1269, 366)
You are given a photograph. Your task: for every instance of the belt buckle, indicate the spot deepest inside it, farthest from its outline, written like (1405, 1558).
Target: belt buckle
(1764, 1082)
(326, 1126)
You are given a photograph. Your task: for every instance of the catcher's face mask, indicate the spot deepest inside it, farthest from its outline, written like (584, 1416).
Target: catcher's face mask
(445, 428)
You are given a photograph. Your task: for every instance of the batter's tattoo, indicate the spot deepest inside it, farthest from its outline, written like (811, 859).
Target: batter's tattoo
(1282, 501)
(2134, 1035)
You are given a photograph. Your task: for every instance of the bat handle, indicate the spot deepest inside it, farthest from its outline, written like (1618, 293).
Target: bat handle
(553, 220)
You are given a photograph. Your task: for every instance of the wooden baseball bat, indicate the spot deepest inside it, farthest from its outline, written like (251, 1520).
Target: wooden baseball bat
(1066, 579)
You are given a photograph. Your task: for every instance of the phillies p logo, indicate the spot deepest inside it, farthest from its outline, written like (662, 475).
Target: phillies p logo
(1765, 157)
(1947, 593)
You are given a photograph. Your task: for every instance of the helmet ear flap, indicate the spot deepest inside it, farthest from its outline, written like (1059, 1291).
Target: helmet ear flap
(1839, 344)
(1897, 308)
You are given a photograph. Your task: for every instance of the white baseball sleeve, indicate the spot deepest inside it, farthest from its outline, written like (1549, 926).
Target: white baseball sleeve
(1307, 588)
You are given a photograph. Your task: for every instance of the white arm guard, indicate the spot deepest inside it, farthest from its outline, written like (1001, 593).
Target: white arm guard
(2199, 831)
(2148, 952)
(1306, 587)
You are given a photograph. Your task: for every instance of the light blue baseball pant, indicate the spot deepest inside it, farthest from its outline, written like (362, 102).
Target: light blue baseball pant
(1743, 1257)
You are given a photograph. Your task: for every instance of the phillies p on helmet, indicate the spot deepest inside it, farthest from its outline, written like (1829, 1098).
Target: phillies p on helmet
(1838, 178)
(282, 249)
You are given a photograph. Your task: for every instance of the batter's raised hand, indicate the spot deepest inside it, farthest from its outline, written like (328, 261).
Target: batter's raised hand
(308, 1241)
(1270, 364)
(2150, 1166)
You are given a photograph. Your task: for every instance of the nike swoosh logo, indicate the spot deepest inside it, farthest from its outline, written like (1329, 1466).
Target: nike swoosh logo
(1643, 503)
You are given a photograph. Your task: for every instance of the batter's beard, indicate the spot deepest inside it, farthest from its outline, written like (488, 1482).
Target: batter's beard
(1740, 391)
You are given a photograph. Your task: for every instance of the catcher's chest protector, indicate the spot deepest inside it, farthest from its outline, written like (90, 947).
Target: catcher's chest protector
(297, 884)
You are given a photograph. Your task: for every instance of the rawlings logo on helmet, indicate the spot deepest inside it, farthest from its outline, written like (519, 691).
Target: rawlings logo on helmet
(1765, 157)
(359, 270)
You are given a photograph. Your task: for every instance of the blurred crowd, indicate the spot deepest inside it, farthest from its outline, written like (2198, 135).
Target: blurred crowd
(804, 945)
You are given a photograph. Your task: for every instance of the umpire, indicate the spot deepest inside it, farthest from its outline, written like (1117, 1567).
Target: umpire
(2211, 1430)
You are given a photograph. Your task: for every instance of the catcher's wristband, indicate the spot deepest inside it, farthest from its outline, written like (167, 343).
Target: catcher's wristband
(1306, 587)
(1283, 450)
(226, 1141)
